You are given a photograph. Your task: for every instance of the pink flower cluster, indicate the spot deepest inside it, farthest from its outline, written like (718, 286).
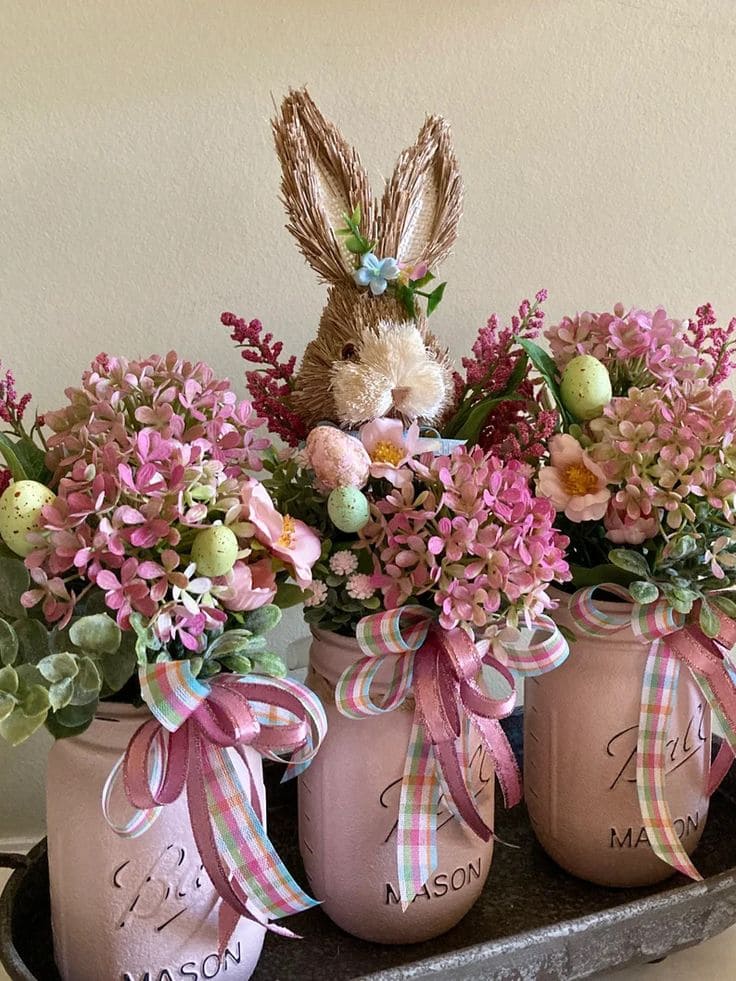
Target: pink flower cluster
(467, 535)
(640, 348)
(146, 455)
(12, 410)
(661, 452)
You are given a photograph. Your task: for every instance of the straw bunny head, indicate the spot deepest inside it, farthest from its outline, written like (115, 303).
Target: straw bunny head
(371, 357)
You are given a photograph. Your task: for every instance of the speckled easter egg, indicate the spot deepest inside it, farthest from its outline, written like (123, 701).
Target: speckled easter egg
(338, 460)
(214, 551)
(585, 387)
(348, 509)
(20, 512)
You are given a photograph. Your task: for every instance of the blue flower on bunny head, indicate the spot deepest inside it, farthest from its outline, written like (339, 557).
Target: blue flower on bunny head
(376, 273)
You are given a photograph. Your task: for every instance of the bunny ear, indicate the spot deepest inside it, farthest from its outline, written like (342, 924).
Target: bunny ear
(322, 180)
(422, 202)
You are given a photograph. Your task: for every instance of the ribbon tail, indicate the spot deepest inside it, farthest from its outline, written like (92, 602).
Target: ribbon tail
(241, 840)
(416, 832)
(660, 684)
(499, 749)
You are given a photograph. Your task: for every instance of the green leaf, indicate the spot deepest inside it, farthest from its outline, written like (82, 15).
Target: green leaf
(355, 245)
(270, 664)
(8, 643)
(58, 667)
(262, 620)
(238, 664)
(8, 680)
(74, 716)
(426, 278)
(98, 634)
(288, 595)
(643, 592)
(725, 605)
(710, 623)
(33, 639)
(630, 561)
(35, 700)
(357, 215)
(25, 460)
(61, 693)
(14, 580)
(7, 705)
(117, 668)
(681, 547)
(17, 727)
(59, 731)
(547, 368)
(434, 298)
(87, 683)
(598, 574)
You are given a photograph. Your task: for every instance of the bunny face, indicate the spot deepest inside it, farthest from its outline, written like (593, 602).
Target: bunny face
(370, 357)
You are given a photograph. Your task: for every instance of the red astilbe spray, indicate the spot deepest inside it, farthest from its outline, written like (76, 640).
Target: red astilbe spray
(271, 381)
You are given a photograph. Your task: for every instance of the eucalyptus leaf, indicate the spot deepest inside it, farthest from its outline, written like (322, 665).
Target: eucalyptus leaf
(87, 683)
(35, 699)
(710, 623)
(630, 561)
(33, 639)
(262, 620)
(7, 705)
(238, 664)
(8, 680)
(61, 693)
(59, 667)
(681, 547)
(270, 664)
(97, 634)
(8, 643)
(74, 716)
(59, 731)
(117, 668)
(644, 592)
(725, 605)
(14, 581)
(17, 727)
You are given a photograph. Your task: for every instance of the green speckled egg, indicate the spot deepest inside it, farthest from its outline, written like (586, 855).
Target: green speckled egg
(585, 387)
(348, 509)
(20, 512)
(214, 551)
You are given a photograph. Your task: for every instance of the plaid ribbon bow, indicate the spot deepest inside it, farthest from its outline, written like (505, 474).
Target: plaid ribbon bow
(442, 670)
(673, 641)
(188, 746)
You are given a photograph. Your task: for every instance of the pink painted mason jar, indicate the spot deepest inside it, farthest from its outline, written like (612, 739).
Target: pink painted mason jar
(580, 732)
(131, 909)
(348, 810)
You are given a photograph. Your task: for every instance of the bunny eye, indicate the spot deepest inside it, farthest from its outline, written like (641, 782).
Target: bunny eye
(349, 352)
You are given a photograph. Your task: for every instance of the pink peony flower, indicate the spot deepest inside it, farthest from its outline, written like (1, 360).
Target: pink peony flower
(285, 537)
(247, 587)
(573, 482)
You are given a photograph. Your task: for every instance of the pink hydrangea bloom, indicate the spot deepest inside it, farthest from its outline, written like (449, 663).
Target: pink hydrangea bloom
(360, 586)
(145, 454)
(468, 536)
(573, 482)
(344, 562)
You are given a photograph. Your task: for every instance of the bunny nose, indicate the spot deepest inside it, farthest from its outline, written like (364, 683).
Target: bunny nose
(400, 394)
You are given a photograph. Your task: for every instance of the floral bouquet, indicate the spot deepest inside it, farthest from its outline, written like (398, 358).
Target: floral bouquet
(643, 476)
(143, 562)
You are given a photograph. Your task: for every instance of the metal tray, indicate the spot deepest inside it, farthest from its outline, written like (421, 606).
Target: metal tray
(532, 920)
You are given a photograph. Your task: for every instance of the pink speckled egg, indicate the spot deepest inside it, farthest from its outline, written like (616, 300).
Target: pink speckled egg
(337, 459)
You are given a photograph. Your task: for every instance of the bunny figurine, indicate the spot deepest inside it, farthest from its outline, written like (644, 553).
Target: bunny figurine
(371, 357)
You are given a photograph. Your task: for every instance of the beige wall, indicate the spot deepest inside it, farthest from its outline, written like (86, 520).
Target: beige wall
(138, 187)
